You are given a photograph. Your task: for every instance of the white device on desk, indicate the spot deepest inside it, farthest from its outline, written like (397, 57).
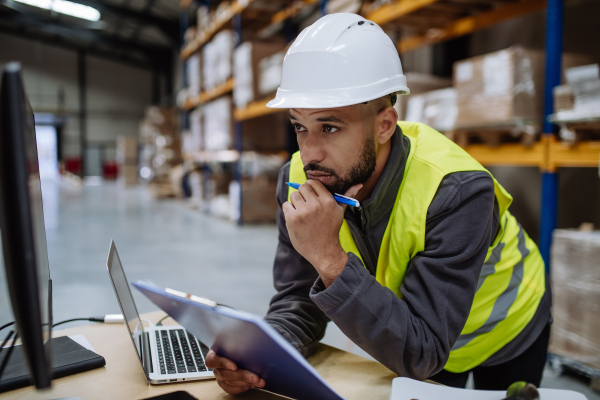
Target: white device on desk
(409, 389)
(167, 353)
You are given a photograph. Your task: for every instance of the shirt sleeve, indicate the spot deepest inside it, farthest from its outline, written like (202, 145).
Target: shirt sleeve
(413, 336)
(292, 313)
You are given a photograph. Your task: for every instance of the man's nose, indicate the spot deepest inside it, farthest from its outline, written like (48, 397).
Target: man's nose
(312, 150)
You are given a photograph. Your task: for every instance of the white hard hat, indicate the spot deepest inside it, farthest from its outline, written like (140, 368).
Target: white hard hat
(340, 60)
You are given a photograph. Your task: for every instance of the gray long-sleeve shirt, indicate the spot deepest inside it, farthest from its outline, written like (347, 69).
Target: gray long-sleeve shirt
(412, 336)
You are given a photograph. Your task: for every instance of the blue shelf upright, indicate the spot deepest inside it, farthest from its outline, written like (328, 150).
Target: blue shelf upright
(549, 200)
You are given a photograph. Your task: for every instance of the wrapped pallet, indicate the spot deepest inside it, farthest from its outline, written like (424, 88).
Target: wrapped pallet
(269, 74)
(194, 75)
(217, 60)
(436, 109)
(576, 296)
(160, 144)
(419, 83)
(503, 88)
(246, 60)
(218, 125)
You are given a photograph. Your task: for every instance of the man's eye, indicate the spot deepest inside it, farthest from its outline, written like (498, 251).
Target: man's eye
(329, 128)
(299, 128)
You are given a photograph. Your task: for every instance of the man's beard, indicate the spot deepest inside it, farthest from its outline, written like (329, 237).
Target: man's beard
(358, 173)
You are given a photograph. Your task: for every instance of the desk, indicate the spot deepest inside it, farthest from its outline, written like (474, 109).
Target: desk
(352, 376)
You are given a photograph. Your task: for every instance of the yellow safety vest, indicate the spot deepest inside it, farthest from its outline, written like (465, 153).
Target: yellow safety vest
(512, 279)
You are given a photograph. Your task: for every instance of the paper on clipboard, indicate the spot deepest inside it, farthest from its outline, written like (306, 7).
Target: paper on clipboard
(410, 389)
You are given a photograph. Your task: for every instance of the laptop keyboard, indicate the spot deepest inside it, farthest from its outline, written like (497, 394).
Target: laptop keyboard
(179, 352)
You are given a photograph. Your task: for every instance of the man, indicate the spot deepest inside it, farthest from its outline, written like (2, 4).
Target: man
(431, 275)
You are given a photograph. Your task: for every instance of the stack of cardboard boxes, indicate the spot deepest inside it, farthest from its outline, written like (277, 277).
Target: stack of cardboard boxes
(256, 70)
(127, 160)
(576, 296)
(499, 91)
(160, 144)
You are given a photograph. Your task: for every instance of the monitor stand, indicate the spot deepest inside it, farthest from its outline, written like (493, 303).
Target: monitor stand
(68, 358)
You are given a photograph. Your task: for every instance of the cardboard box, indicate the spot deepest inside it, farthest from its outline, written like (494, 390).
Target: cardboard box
(259, 201)
(576, 296)
(128, 174)
(504, 87)
(436, 109)
(266, 133)
(161, 116)
(217, 60)
(499, 88)
(127, 150)
(564, 98)
(269, 74)
(194, 74)
(247, 62)
(218, 124)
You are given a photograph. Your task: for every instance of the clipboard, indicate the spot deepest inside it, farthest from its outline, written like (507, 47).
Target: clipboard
(246, 339)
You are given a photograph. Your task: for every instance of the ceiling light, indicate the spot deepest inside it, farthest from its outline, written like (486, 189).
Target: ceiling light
(66, 7)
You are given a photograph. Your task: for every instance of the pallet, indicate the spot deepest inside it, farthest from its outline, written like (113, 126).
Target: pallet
(576, 132)
(495, 135)
(560, 363)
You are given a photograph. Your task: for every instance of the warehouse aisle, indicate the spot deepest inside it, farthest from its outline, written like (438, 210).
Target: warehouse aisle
(167, 243)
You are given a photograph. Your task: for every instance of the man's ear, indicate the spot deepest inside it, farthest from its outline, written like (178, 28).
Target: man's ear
(387, 124)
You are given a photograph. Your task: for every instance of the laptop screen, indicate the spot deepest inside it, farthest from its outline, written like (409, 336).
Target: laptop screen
(130, 312)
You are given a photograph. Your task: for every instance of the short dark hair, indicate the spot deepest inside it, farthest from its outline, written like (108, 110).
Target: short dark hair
(393, 98)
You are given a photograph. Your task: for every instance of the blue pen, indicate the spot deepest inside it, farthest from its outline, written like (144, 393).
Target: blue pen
(337, 197)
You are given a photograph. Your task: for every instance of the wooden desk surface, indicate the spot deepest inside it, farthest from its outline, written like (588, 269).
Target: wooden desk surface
(352, 376)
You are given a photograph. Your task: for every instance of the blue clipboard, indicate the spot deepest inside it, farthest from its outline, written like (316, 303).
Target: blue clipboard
(246, 339)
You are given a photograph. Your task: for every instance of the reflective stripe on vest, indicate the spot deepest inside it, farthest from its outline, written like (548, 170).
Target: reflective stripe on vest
(512, 279)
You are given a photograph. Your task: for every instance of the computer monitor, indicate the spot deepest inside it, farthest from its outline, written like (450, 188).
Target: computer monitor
(22, 227)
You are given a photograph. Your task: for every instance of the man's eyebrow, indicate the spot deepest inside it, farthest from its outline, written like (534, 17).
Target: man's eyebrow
(330, 118)
(292, 117)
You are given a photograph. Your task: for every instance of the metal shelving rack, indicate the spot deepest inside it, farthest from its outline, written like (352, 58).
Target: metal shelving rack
(548, 154)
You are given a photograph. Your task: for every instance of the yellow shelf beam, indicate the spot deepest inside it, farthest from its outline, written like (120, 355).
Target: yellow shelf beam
(205, 35)
(470, 24)
(548, 154)
(391, 11)
(254, 110)
(209, 95)
(581, 154)
(509, 154)
(291, 11)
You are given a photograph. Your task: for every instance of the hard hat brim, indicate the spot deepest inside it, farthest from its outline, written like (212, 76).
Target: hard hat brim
(338, 97)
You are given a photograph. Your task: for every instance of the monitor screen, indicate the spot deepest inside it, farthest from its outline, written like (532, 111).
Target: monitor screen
(37, 215)
(22, 226)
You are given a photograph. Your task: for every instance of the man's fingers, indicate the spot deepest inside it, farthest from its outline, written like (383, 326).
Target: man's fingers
(232, 389)
(353, 191)
(296, 198)
(215, 361)
(307, 191)
(241, 376)
(287, 207)
(317, 187)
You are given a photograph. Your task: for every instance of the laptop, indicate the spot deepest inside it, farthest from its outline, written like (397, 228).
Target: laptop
(167, 353)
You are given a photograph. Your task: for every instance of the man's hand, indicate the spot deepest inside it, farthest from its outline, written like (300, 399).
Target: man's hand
(313, 219)
(229, 377)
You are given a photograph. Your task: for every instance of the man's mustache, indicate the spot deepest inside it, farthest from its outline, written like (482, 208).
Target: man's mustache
(316, 167)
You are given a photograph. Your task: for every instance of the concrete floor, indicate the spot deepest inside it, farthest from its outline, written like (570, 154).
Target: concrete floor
(165, 242)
